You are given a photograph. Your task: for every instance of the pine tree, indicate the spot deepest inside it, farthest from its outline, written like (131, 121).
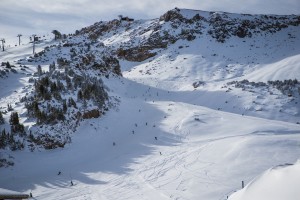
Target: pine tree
(39, 70)
(65, 107)
(57, 34)
(79, 95)
(3, 139)
(52, 67)
(14, 118)
(71, 102)
(15, 125)
(1, 118)
(60, 115)
(53, 87)
(60, 86)
(9, 108)
(84, 105)
(8, 65)
(69, 83)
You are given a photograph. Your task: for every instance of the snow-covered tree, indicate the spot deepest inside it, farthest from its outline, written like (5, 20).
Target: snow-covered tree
(57, 34)
(1, 118)
(39, 70)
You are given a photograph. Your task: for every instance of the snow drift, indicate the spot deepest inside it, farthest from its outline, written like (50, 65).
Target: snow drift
(281, 182)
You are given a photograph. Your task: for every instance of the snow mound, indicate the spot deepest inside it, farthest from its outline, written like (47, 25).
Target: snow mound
(288, 68)
(281, 182)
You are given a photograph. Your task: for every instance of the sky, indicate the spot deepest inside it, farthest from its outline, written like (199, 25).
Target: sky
(42, 16)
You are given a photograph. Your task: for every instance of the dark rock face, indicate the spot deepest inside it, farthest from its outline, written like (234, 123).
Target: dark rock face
(109, 63)
(171, 15)
(222, 27)
(99, 28)
(241, 32)
(136, 54)
(95, 113)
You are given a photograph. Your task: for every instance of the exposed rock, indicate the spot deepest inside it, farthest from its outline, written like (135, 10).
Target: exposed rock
(198, 84)
(95, 113)
(136, 54)
(99, 28)
(171, 15)
(241, 32)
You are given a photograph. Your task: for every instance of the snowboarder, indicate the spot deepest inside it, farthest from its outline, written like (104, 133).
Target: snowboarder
(59, 173)
(72, 183)
(155, 138)
(160, 153)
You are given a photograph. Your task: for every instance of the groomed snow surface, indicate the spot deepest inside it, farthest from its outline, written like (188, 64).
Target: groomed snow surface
(167, 140)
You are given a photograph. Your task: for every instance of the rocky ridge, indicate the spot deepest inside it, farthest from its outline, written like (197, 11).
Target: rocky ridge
(177, 24)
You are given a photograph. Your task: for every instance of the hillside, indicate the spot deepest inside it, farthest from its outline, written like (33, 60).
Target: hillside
(185, 106)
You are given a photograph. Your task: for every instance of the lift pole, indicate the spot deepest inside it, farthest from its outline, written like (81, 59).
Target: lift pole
(3, 41)
(19, 35)
(33, 44)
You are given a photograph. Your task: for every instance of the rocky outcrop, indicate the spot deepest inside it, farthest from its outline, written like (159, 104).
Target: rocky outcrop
(136, 54)
(172, 15)
(95, 113)
(222, 26)
(99, 28)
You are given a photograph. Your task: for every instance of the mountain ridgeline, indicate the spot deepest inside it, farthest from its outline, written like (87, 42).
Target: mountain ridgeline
(143, 37)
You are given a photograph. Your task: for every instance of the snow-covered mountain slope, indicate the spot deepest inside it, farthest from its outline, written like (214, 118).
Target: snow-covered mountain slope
(277, 183)
(50, 111)
(186, 122)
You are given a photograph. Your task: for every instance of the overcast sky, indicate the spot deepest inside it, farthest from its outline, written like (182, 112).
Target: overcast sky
(42, 16)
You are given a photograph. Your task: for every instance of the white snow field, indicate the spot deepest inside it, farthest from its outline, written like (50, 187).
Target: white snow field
(171, 140)
(277, 183)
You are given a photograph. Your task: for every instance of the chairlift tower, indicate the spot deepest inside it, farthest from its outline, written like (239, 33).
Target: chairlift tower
(3, 41)
(33, 43)
(19, 35)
